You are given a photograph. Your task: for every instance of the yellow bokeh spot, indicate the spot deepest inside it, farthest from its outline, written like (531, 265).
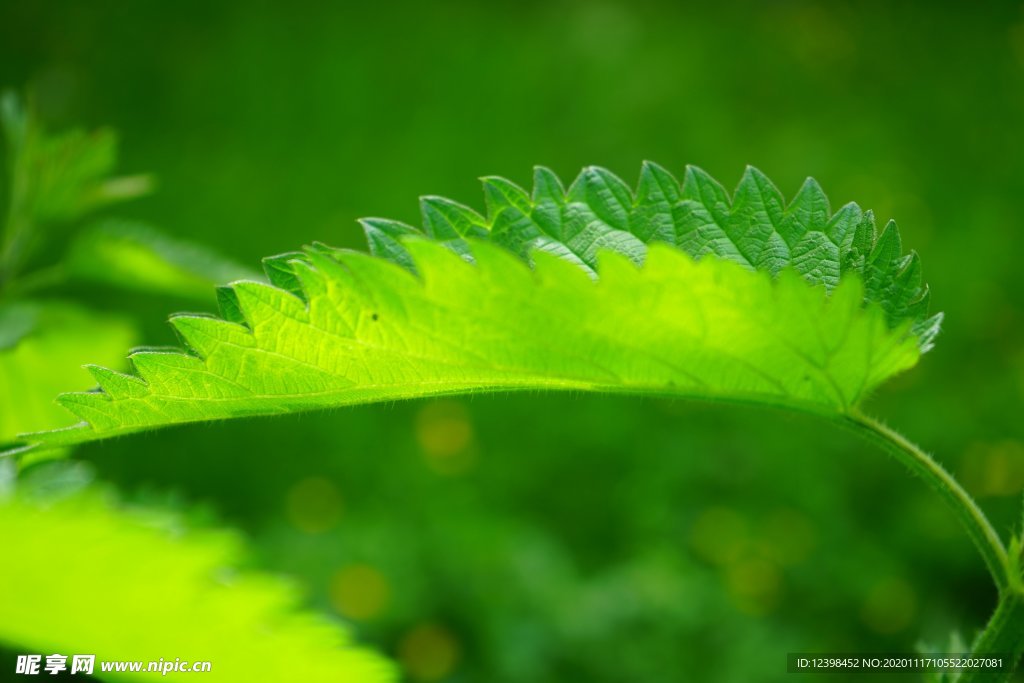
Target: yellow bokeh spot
(313, 505)
(359, 591)
(445, 437)
(889, 607)
(719, 535)
(754, 585)
(429, 652)
(994, 469)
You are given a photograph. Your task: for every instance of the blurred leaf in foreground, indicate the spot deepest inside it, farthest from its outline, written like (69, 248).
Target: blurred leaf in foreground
(135, 585)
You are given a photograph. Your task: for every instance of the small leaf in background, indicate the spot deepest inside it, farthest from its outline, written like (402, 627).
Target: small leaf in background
(50, 358)
(54, 178)
(139, 585)
(134, 255)
(16, 320)
(48, 481)
(62, 176)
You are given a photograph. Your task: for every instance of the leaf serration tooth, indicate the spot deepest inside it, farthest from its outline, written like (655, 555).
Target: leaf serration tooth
(280, 271)
(117, 384)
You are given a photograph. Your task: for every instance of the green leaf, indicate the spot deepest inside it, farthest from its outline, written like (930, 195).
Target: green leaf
(755, 228)
(134, 255)
(16, 320)
(768, 314)
(138, 585)
(62, 176)
(54, 179)
(56, 340)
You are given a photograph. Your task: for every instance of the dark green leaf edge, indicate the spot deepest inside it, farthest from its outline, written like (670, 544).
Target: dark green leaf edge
(753, 227)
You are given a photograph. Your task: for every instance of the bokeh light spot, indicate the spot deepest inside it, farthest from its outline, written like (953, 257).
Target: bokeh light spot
(719, 535)
(445, 437)
(313, 505)
(890, 606)
(429, 652)
(754, 585)
(995, 469)
(360, 592)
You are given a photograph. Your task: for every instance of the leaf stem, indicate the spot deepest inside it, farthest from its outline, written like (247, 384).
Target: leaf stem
(1003, 636)
(942, 482)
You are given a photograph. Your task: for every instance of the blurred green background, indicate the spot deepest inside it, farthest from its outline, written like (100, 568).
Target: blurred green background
(554, 537)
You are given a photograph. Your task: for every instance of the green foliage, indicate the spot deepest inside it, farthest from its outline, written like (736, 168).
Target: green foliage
(123, 564)
(755, 228)
(60, 177)
(46, 347)
(130, 566)
(338, 327)
(53, 179)
(848, 94)
(128, 254)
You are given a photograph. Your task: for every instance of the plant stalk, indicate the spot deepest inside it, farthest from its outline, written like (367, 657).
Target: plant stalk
(942, 482)
(1003, 636)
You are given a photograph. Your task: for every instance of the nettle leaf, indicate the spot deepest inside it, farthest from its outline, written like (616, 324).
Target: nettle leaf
(138, 586)
(675, 289)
